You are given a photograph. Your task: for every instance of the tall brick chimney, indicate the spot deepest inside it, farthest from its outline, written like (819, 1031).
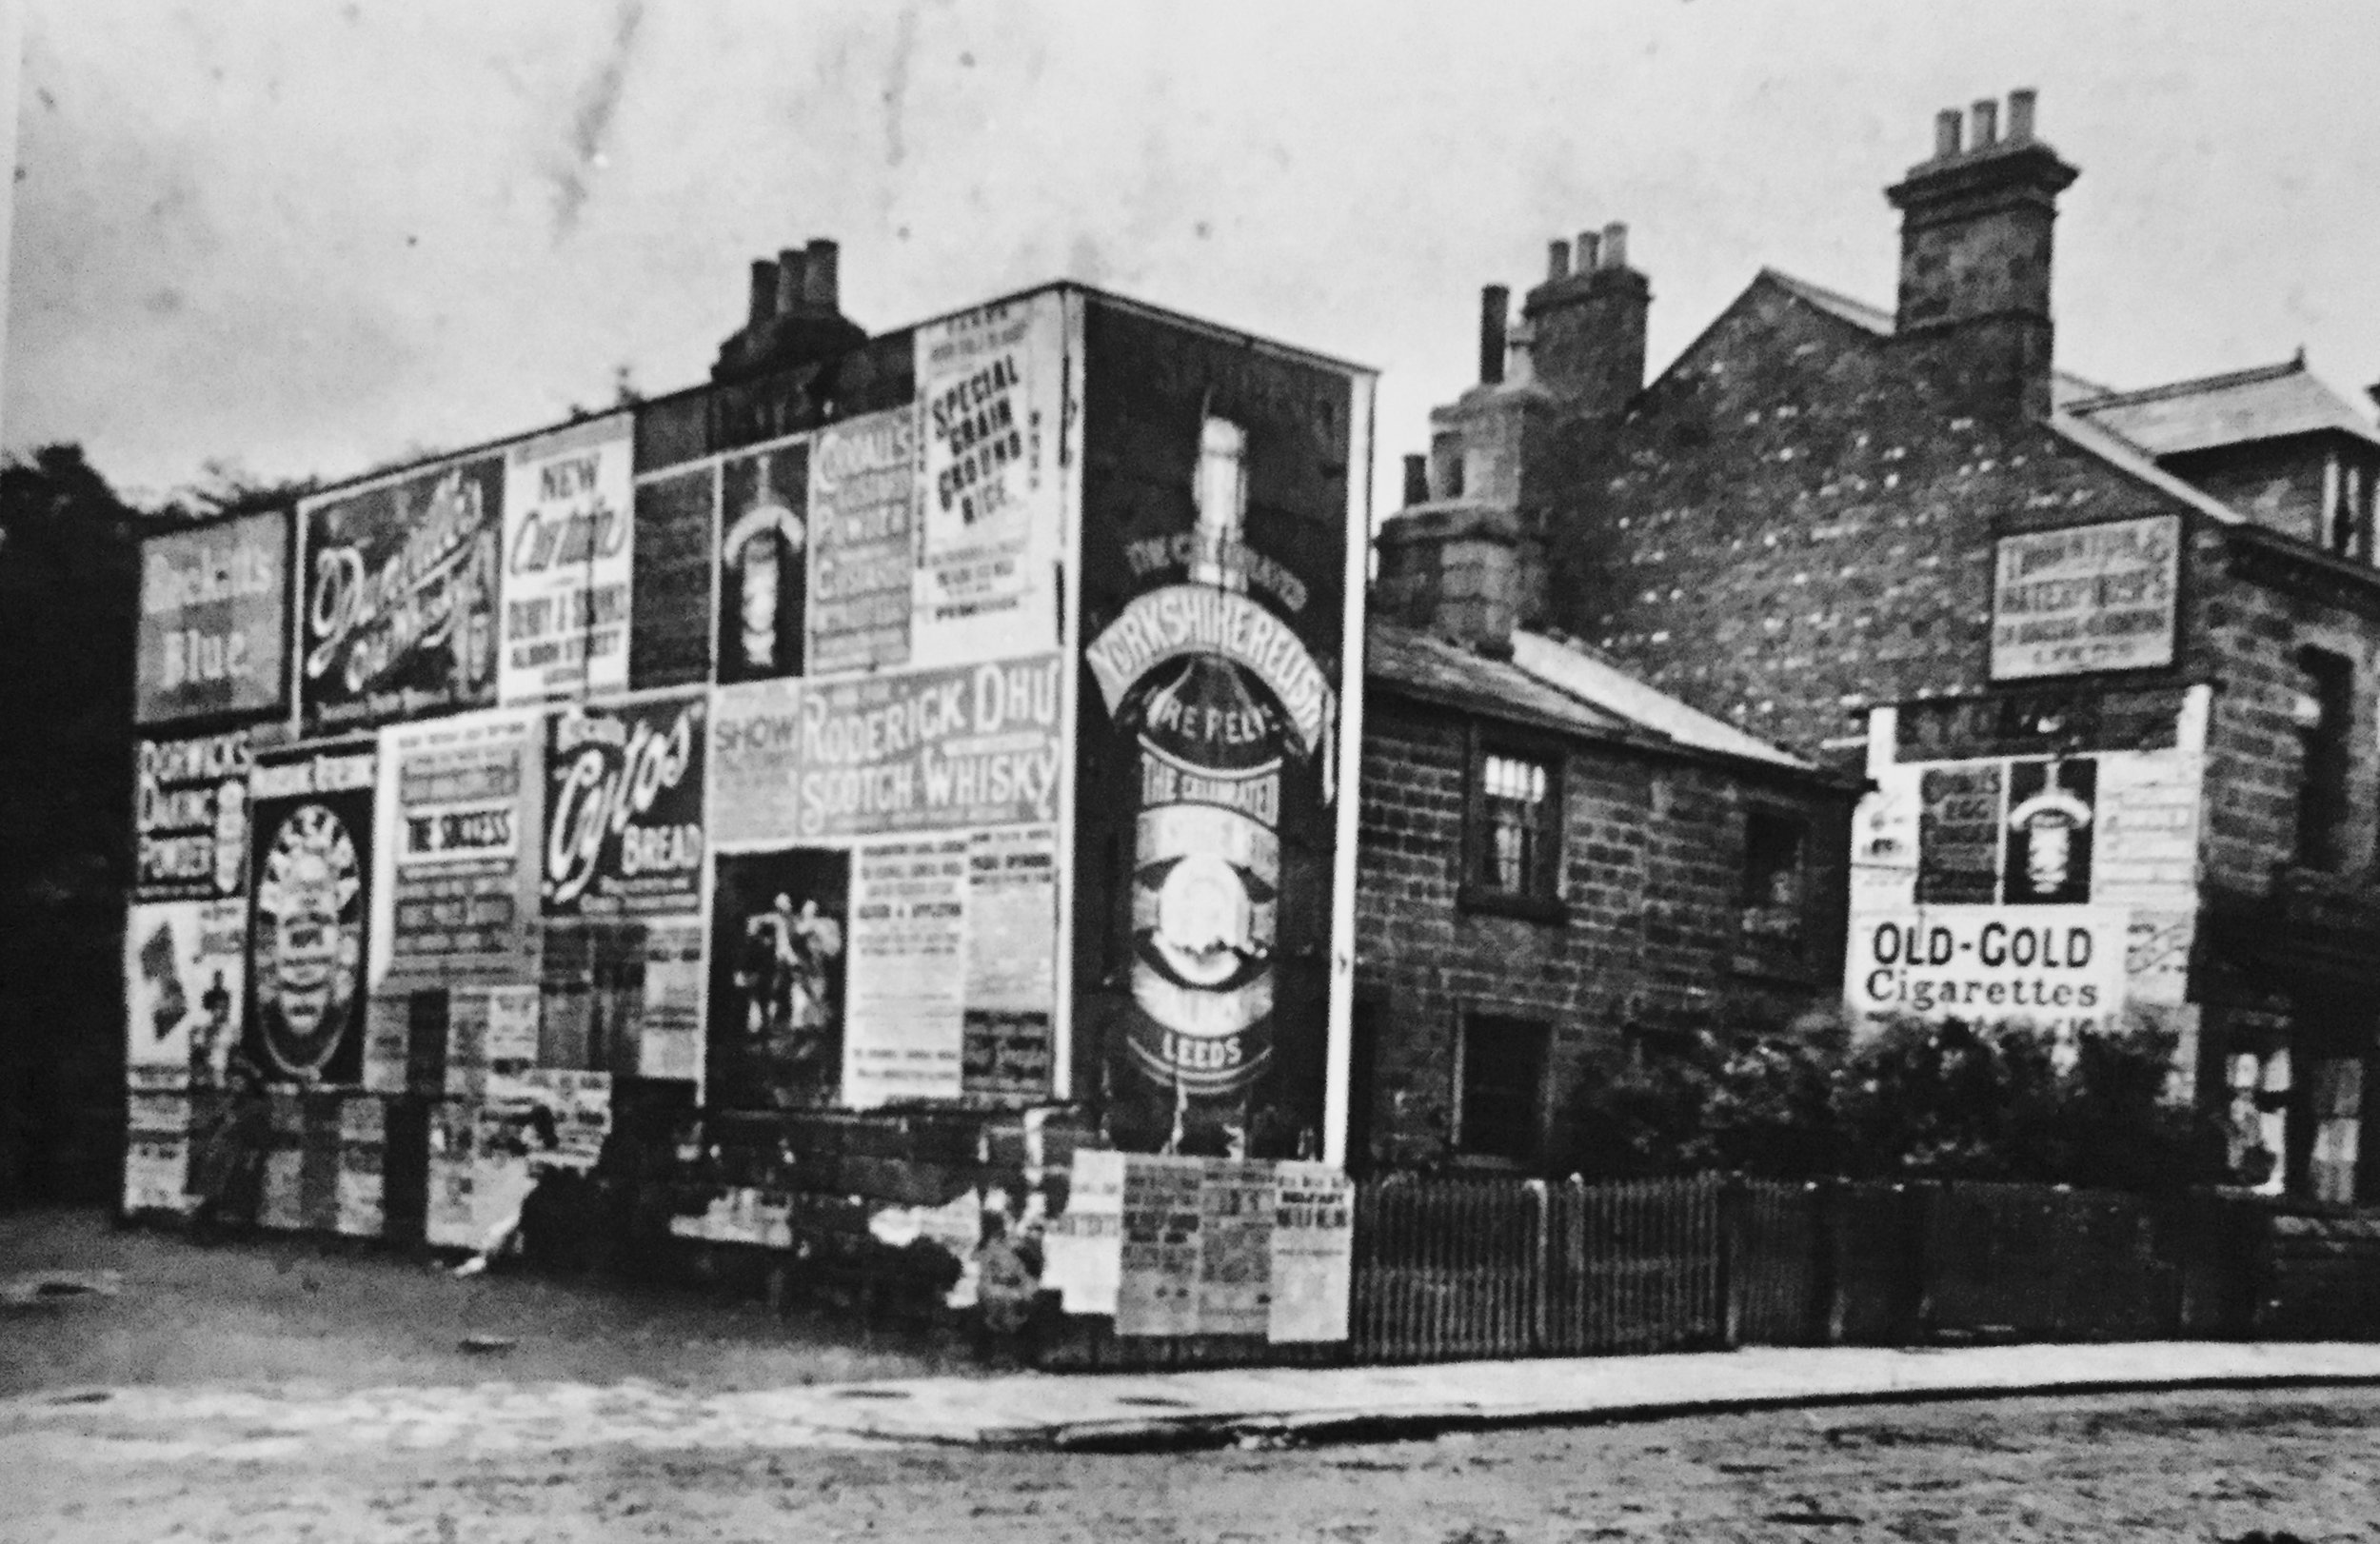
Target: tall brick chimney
(795, 315)
(1587, 324)
(1974, 279)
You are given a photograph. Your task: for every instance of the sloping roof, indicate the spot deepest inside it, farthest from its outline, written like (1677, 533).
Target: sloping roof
(1554, 686)
(2064, 387)
(2262, 404)
(2135, 462)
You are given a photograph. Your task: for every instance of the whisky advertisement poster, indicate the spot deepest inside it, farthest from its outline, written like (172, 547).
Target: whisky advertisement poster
(763, 563)
(186, 971)
(190, 817)
(311, 912)
(943, 749)
(624, 808)
(569, 538)
(214, 634)
(908, 972)
(862, 524)
(459, 817)
(399, 605)
(990, 391)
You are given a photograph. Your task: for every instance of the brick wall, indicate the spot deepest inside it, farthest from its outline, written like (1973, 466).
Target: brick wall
(1652, 857)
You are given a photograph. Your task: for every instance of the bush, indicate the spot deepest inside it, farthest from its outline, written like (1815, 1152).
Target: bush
(1914, 1100)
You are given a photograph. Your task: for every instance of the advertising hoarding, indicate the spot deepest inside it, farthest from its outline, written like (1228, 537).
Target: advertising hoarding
(309, 911)
(779, 931)
(862, 523)
(214, 634)
(763, 563)
(456, 883)
(190, 817)
(2087, 598)
(402, 580)
(570, 543)
(624, 808)
(184, 970)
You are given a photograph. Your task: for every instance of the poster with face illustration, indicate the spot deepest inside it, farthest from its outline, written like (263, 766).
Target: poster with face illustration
(185, 971)
(310, 912)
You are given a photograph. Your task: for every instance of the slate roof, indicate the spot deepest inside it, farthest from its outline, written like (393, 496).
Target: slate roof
(2065, 388)
(1553, 685)
(2262, 404)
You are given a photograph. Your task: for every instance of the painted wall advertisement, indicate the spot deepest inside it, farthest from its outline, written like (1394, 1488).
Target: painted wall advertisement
(991, 387)
(2087, 598)
(185, 969)
(401, 590)
(214, 627)
(310, 911)
(191, 818)
(2052, 890)
(623, 805)
(460, 813)
(569, 533)
(1214, 600)
(938, 749)
(863, 502)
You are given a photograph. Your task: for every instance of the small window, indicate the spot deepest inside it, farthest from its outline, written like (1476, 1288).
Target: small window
(1773, 846)
(1517, 830)
(1503, 1088)
(2346, 527)
(2325, 715)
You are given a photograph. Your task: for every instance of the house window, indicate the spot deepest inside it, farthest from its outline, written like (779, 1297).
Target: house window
(2325, 715)
(2347, 515)
(1771, 891)
(1502, 1112)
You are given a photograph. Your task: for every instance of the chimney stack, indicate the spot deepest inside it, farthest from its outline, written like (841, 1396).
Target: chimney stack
(1975, 251)
(793, 315)
(819, 276)
(1556, 260)
(1615, 246)
(1494, 305)
(791, 274)
(1586, 327)
(1590, 247)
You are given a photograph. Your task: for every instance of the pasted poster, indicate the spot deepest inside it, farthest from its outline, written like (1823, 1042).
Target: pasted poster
(2087, 598)
(763, 564)
(1234, 1247)
(950, 748)
(191, 818)
(401, 586)
(863, 518)
(1082, 1251)
(457, 877)
(779, 930)
(1208, 759)
(990, 387)
(670, 614)
(570, 535)
(624, 808)
(185, 971)
(1958, 833)
(213, 629)
(2049, 832)
(1012, 960)
(2059, 967)
(670, 1023)
(1313, 1253)
(1885, 840)
(311, 912)
(1157, 1291)
(907, 991)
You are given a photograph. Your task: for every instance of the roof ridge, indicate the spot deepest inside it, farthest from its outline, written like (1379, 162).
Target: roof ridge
(2253, 375)
(1820, 295)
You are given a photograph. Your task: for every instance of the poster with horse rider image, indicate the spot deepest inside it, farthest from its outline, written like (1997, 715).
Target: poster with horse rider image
(309, 912)
(778, 936)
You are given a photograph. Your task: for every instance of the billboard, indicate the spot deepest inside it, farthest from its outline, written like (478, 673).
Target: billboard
(185, 969)
(1215, 624)
(779, 924)
(456, 878)
(214, 633)
(2087, 598)
(624, 808)
(862, 509)
(190, 817)
(569, 526)
(311, 912)
(763, 564)
(400, 616)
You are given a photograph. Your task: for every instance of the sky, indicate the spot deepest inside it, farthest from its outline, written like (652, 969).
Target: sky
(306, 237)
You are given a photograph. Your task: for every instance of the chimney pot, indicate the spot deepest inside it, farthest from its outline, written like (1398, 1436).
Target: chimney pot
(1416, 481)
(819, 276)
(1557, 261)
(1495, 304)
(1987, 115)
(1615, 246)
(791, 270)
(2020, 106)
(1589, 251)
(1946, 127)
(764, 290)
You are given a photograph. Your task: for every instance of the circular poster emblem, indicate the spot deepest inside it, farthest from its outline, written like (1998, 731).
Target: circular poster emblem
(310, 940)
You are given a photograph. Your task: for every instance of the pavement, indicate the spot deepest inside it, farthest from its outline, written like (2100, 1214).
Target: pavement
(1113, 1411)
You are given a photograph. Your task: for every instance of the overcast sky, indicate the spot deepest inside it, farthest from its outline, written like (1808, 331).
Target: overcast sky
(306, 236)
